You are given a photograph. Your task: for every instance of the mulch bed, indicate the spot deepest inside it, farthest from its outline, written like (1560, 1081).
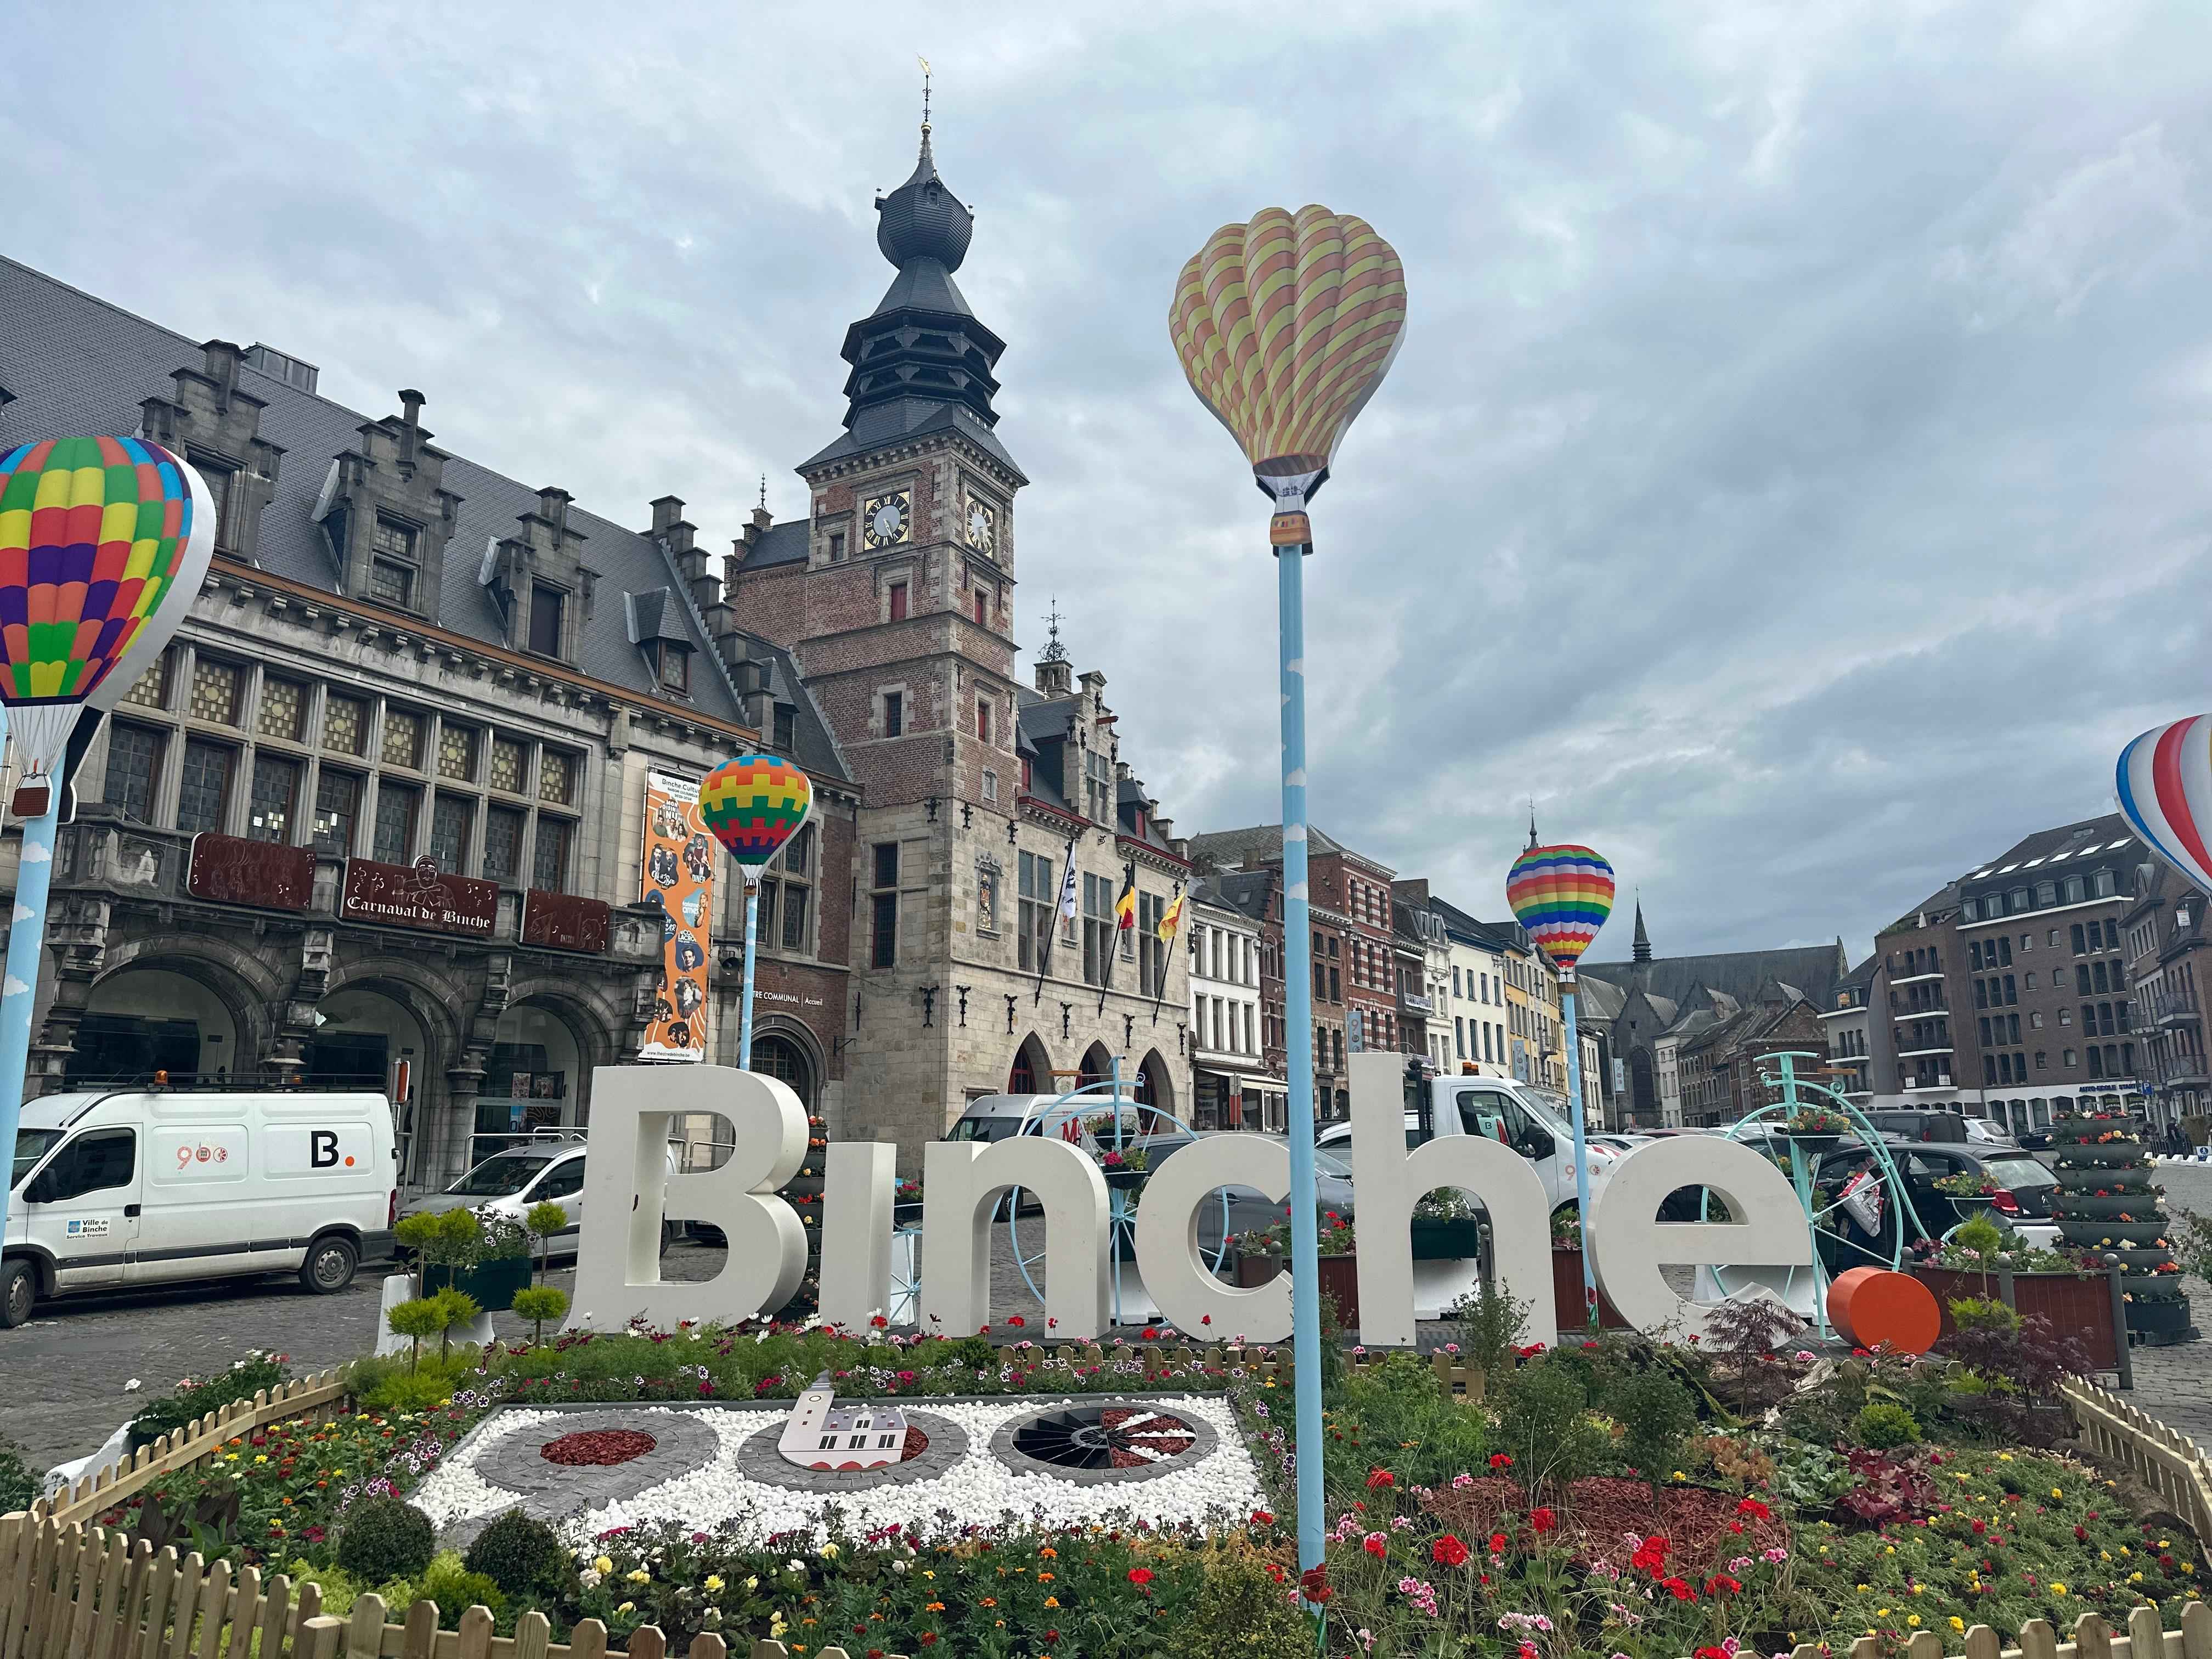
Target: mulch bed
(597, 1448)
(1702, 1527)
(1168, 1435)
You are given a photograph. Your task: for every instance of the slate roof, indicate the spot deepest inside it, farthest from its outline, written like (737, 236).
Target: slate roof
(1814, 968)
(1599, 1001)
(78, 364)
(780, 543)
(1245, 891)
(655, 615)
(1257, 843)
(2059, 846)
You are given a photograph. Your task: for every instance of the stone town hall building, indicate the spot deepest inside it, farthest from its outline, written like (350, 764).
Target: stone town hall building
(400, 656)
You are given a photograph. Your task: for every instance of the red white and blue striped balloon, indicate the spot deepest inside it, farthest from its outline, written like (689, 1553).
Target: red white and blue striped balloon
(2165, 793)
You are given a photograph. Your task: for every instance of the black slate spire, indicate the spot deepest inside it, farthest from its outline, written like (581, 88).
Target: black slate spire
(920, 359)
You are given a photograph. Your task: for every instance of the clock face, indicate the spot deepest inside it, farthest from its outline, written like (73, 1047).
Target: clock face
(982, 526)
(884, 519)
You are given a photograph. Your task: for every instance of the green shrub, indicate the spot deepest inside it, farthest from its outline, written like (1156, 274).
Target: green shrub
(517, 1552)
(1545, 1429)
(460, 1309)
(1400, 1410)
(384, 1538)
(1984, 1313)
(449, 1582)
(422, 1390)
(339, 1590)
(974, 1353)
(1882, 1426)
(1490, 1323)
(19, 1485)
(1243, 1612)
(423, 1317)
(243, 1380)
(1656, 1415)
(539, 1304)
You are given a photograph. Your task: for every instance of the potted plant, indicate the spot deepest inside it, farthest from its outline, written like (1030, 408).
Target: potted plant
(1125, 1169)
(1970, 1191)
(1445, 1228)
(1264, 1251)
(486, 1257)
(1815, 1129)
(2069, 1290)
(906, 1204)
(1567, 1277)
(2110, 1205)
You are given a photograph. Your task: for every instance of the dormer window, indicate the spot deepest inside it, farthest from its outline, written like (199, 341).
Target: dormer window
(221, 475)
(394, 562)
(675, 667)
(548, 605)
(787, 728)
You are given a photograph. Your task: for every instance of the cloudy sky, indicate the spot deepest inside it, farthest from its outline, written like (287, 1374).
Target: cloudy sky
(1793, 477)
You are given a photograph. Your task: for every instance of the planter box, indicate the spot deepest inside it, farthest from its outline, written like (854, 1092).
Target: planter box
(1567, 1294)
(1340, 1280)
(1446, 1241)
(2077, 1307)
(493, 1284)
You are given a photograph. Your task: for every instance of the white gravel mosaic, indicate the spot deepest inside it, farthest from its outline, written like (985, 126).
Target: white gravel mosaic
(1218, 1487)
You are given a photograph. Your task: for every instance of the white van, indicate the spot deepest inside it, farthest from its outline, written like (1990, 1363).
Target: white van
(135, 1187)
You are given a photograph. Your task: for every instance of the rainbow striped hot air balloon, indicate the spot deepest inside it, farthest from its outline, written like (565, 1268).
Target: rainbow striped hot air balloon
(2165, 793)
(753, 804)
(1285, 326)
(103, 544)
(1562, 896)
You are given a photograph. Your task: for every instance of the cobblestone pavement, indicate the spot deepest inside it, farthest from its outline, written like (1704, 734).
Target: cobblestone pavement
(2174, 1384)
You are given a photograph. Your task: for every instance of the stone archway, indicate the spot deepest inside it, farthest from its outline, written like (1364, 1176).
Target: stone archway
(1031, 1072)
(198, 1020)
(1156, 1089)
(1096, 1066)
(380, 1011)
(785, 1050)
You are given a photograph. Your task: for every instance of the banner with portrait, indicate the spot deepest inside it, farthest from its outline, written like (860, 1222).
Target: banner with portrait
(677, 879)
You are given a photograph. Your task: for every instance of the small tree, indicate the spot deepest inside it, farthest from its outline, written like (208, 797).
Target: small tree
(459, 1308)
(1490, 1323)
(423, 1317)
(544, 1221)
(1656, 1415)
(539, 1304)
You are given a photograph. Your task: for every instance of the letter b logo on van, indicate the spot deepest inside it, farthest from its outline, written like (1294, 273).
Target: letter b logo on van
(300, 1149)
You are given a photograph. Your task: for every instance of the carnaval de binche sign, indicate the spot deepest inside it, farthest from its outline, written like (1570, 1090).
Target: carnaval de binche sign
(628, 1190)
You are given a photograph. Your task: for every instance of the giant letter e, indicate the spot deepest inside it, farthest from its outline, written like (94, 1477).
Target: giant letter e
(628, 1190)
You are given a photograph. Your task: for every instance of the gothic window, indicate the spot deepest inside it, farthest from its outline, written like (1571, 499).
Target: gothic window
(276, 787)
(1033, 915)
(151, 689)
(397, 807)
(337, 804)
(403, 739)
(134, 764)
(452, 818)
(550, 867)
(508, 763)
(1097, 927)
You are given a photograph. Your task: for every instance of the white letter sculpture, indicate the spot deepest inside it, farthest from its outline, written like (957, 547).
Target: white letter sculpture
(962, 1180)
(1391, 1181)
(628, 1190)
(1167, 1239)
(1632, 1244)
(856, 1232)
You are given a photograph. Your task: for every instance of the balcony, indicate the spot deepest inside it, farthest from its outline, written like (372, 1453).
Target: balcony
(1411, 1003)
(2175, 1007)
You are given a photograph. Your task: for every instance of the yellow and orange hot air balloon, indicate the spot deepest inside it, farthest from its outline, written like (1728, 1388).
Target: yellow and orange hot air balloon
(1285, 326)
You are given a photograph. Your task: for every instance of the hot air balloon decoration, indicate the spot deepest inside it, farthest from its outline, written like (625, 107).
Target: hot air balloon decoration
(103, 545)
(754, 805)
(2165, 794)
(1284, 327)
(1562, 896)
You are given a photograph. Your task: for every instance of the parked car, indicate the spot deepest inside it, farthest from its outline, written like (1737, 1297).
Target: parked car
(2021, 1203)
(1249, 1209)
(509, 1182)
(133, 1187)
(1936, 1124)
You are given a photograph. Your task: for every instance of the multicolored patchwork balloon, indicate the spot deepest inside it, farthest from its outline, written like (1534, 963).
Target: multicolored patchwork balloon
(2165, 793)
(1562, 896)
(103, 545)
(753, 804)
(1285, 326)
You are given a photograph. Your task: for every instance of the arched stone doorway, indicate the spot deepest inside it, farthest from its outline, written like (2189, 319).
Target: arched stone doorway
(1031, 1072)
(166, 1014)
(784, 1056)
(1156, 1089)
(377, 1015)
(535, 1077)
(1097, 1066)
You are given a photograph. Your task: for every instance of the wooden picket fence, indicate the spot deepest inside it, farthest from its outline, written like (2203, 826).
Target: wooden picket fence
(318, 1398)
(2167, 1463)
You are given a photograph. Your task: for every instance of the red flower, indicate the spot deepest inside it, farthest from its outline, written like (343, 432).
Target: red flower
(1981, 1527)
(1381, 1478)
(1313, 1584)
(1754, 1508)
(1497, 1543)
(1677, 1588)
(1140, 1575)
(1449, 1552)
(1542, 1521)
(1500, 1460)
(1376, 1544)
(1150, 1333)
(1650, 1555)
(1711, 1653)
(1721, 1584)
(928, 1636)
(1263, 1518)
(1206, 1319)
(1528, 1651)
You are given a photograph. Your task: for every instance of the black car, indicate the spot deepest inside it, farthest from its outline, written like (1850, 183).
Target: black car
(2024, 1187)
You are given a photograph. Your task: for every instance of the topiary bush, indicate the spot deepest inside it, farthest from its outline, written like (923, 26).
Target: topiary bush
(384, 1538)
(517, 1552)
(1884, 1427)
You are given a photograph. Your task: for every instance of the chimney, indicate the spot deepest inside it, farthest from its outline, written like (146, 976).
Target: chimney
(220, 364)
(1415, 891)
(411, 429)
(553, 506)
(762, 520)
(667, 512)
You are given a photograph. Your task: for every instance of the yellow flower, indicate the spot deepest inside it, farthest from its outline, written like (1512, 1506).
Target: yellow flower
(713, 1583)
(1889, 1549)
(1052, 1601)
(1882, 1612)
(627, 1607)
(2055, 1493)
(751, 1583)
(1911, 1618)
(2162, 1544)
(926, 1573)
(639, 1576)
(2004, 1457)
(2135, 1578)
(602, 1566)
(1957, 1623)
(2125, 1551)
(1863, 1589)
(828, 1551)
(2058, 1589)
(230, 1457)
(261, 1457)
(1679, 1475)
(2104, 1555)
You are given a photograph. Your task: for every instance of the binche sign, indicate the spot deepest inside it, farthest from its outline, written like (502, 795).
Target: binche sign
(629, 1189)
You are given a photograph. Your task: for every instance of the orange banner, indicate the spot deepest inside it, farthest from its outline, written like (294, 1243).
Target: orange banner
(679, 880)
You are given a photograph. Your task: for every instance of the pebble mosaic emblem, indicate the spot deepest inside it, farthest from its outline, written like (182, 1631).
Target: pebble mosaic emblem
(1115, 1440)
(759, 1459)
(537, 1463)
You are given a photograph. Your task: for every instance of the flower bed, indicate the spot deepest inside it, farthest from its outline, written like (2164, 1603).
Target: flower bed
(2080, 1303)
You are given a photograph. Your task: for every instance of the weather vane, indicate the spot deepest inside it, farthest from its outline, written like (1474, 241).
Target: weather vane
(924, 62)
(763, 501)
(1053, 650)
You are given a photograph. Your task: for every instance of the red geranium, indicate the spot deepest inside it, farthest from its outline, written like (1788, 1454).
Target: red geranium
(1754, 1508)
(1263, 1518)
(1542, 1521)
(1500, 1460)
(1650, 1555)
(1381, 1478)
(1376, 1544)
(1497, 1543)
(1140, 1575)
(1448, 1551)
(1313, 1584)
(1678, 1589)
(1721, 1584)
